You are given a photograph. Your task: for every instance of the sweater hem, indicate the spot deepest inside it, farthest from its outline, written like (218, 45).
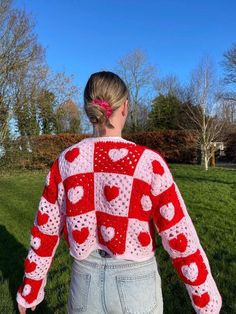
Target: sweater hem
(125, 256)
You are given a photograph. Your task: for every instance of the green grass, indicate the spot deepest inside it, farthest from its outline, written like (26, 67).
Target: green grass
(211, 201)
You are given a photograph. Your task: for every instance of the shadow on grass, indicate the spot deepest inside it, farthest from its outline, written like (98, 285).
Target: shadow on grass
(12, 255)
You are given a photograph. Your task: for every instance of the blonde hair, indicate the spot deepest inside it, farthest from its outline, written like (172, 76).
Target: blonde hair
(108, 86)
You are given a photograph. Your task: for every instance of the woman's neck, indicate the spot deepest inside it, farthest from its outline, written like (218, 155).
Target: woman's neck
(106, 132)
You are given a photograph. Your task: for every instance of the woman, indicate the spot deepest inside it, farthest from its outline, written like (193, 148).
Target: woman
(108, 196)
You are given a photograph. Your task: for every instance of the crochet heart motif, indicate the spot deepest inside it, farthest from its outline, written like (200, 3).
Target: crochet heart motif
(47, 180)
(29, 266)
(72, 154)
(190, 271)
(26, 290)
(157, 167)
(107, 233)
(144, 238)
(179, 243)
(117, 154)
(35, 242)
(111, 192)
(75, 194)
(201, 300)
(42, 218)
(167, 211)
(80, 235)
(146, 202)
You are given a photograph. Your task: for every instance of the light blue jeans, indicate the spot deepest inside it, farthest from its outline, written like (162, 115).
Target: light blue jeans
(101, 285)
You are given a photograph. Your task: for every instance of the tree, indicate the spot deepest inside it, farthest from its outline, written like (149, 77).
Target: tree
(29, 91)
(229, 96)
(19, 52)
(5, 117)
(39, 99)
(138, 76)
(203, 91)
(63, 90)
(62, 86)
(68, 118)
(169, 85)
(24, 75)
(169, 107)
(227, 110)
(229, 64)
(46, 112)
(165, 112)
(27, 99)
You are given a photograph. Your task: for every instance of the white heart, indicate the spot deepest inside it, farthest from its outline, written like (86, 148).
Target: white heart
(146, 202)
(168, 211)
(156, 184)
(107, 233)
(35, 242)
(190, 272)
(47, 181)
(75, 194)
(26, 290)
(117, 154)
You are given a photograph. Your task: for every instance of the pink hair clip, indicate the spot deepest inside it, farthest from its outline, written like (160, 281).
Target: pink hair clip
(104, 105)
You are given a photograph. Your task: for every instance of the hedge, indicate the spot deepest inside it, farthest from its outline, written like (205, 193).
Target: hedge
(38, 152)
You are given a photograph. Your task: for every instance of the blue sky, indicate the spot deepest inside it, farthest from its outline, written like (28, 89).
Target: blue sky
(82, 37)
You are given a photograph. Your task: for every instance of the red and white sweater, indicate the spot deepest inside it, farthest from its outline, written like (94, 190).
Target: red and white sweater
(111, 193)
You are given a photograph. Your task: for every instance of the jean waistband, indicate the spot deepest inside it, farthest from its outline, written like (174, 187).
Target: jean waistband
(103, 253)
(96, 260)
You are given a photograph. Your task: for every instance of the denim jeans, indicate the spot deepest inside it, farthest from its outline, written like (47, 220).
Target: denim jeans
(101, 285)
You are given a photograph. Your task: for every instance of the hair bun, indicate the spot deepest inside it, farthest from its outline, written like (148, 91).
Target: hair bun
(104, 104)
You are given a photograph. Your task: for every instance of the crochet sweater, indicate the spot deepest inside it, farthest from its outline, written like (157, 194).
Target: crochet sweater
(113, 194)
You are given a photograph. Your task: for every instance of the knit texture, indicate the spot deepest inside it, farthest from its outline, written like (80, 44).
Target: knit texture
(112, 194)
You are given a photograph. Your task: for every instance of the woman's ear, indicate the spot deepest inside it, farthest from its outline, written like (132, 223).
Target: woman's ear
(127, 104)
(125, 108)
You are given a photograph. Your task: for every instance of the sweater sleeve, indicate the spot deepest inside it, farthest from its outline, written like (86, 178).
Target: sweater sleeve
(180, 240)
(44, 238)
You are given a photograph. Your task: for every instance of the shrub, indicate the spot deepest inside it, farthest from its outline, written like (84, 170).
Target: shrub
(38, 152)
(230, 149)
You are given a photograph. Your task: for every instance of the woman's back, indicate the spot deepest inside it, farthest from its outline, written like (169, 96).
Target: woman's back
(108, 197)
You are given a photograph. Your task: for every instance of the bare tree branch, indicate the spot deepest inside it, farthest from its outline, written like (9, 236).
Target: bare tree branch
(138, 76)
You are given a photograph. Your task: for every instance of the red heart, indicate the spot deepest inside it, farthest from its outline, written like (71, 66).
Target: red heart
(157, 167)
(144, 238)
(42, 218)
(80, 235)
(29, 266)
(201, 300)
(72, 154)
(111, 192)
(179, 243)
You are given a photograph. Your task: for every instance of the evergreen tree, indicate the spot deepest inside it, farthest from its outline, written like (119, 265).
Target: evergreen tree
(165, 112)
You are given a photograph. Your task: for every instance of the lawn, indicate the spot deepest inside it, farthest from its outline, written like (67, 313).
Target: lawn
(211, 201)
